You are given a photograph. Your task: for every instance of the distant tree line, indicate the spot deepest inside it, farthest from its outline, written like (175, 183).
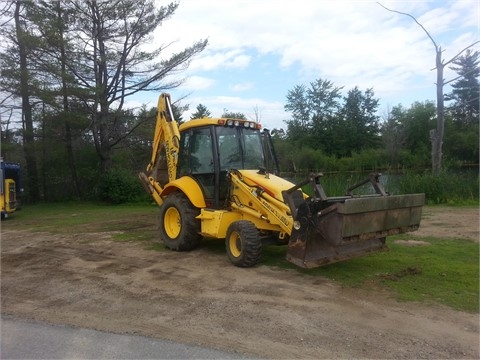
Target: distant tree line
(69, 66)
(329, 131)
(333, 132)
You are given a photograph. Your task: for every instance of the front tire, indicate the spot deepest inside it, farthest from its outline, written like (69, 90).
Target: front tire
(243, 243)
(179, 230)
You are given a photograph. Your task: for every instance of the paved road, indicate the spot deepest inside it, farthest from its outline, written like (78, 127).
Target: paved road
(22, 339)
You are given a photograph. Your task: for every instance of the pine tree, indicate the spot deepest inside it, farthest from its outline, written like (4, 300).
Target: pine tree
(201, 112)
(113, 65)
(18, 80)
(466, 89)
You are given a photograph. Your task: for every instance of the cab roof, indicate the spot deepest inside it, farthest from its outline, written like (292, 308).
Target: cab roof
(219, 122)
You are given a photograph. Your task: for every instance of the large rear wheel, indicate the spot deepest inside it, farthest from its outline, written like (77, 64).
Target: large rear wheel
(243, 243)
(179, 230)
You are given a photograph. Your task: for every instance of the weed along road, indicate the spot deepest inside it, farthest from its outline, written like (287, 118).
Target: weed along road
(93, 276)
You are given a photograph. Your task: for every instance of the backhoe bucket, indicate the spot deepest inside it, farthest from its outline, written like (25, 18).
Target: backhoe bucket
(329, 230)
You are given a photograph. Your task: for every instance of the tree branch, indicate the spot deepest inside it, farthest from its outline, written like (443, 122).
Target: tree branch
(458, 54)
(414, 19)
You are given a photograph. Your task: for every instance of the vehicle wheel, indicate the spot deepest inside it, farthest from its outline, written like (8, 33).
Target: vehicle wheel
(243, 243)
(179, 230)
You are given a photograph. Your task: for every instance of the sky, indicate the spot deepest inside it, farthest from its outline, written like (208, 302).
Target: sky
(259, 50)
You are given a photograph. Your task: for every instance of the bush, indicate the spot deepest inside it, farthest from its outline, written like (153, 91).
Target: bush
(118, 186)
(445, 188)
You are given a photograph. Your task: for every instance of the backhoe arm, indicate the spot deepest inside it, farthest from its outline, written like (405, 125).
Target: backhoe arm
(163, 164)
(263, 209)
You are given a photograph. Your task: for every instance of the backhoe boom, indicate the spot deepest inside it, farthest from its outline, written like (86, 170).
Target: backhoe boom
(162, 167)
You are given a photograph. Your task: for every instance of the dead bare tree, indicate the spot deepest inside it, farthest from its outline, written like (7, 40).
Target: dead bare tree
(257, 113)
(436, 135)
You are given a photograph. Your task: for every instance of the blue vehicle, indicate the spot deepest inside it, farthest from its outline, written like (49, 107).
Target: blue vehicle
(9, 187)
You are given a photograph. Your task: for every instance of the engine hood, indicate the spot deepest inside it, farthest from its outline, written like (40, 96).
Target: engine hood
(272, 184)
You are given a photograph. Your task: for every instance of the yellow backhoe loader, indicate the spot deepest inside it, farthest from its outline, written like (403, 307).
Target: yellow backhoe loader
(9, 188)
(219, 178)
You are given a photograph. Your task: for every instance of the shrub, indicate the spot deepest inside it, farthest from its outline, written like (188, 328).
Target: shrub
(118, 186)
(445, 188)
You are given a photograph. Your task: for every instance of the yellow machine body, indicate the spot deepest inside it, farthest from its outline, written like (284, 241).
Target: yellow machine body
(219, 178)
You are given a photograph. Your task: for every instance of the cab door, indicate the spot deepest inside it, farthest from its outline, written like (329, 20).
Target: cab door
(196, 159)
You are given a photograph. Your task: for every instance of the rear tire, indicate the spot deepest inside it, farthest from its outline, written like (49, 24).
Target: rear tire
(243, 243)
(179, 230)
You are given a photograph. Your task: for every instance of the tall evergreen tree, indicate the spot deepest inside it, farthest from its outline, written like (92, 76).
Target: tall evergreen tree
(53, 21)
(18, 79)
(113, 66)
(201, 112)
(466, 89)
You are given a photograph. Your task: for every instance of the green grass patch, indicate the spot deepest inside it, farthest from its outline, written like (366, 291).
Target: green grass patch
(126, 222)
(444, 272)
(83, 217)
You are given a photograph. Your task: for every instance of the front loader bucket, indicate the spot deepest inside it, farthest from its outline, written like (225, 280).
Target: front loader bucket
(336, 229)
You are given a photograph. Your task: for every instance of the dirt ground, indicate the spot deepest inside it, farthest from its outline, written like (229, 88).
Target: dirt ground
(199, 298)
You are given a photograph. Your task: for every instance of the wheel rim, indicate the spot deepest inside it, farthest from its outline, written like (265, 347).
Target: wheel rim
(171, 223)
(234, 244)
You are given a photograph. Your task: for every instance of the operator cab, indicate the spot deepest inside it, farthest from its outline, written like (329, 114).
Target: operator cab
(208, 151)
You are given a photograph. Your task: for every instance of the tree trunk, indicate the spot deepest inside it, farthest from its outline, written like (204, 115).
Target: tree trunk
(436, 135)
(28, 130)
(68, 131)
(101, 133)
(104, 148)
(100, 140)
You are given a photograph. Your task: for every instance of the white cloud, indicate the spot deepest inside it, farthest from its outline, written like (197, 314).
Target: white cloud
(228, 59)
(197, 83)
(242, 86)
(352, 43)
